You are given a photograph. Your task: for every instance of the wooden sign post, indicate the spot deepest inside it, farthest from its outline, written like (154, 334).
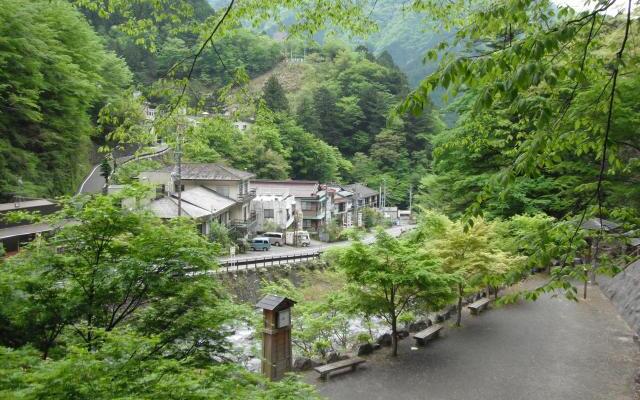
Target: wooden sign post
(276, 336)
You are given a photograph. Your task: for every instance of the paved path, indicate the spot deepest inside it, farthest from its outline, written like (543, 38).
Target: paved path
(94, 182)
(552, 349)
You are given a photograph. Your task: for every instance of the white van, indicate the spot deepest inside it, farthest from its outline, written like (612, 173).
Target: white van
(301, 239)
(275, 238)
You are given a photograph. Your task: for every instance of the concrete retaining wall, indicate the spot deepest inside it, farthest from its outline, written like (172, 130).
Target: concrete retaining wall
(624, 292)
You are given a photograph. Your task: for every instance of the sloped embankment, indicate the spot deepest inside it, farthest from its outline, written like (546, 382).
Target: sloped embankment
(624, 292)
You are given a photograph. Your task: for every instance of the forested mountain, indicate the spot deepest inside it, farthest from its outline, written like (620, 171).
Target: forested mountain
(331, 124)
(407, 36)
(55, 75)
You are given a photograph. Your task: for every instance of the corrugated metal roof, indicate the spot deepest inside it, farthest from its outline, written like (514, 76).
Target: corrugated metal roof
(167, 208)
(209, 171)
(207, 199)
(294, 188)
(593, 224)
(23, 230)
(21, 205)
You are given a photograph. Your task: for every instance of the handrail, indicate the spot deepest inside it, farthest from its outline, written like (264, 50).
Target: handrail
(231, 265)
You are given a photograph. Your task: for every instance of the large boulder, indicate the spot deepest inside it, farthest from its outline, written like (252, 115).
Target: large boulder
(384, 340)
(418, 326)
(303, 364)
(334, 357)
(403, 334)
(365, 349)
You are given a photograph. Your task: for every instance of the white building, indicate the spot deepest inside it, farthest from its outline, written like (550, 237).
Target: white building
(278, 209)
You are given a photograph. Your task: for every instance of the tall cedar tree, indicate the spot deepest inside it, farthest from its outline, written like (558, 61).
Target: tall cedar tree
(274, 96)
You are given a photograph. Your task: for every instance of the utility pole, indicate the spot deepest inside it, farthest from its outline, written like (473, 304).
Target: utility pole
(354, 222)
(179, 164)
(410, 198)
(384, 194)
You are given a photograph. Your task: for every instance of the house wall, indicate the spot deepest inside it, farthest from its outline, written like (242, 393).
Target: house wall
(282, 211)
(156, 178)
(229, 189)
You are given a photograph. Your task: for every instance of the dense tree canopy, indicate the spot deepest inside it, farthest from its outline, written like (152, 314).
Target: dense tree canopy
(117, 304)
(55, 74)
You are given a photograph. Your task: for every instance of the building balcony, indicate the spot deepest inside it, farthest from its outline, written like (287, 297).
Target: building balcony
(245, 197)
(247, 224)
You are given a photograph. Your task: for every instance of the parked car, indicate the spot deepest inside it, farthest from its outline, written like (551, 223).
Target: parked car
(275, 238)
(260, 244)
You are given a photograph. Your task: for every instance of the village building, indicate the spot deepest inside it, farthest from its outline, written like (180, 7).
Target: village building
(342, 202)
(15, 234)
(274, 211)
(310, 199)
(365, 196)
(208, 192)
(390, 213)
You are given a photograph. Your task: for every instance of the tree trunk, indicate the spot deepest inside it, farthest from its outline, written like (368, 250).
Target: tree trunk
(594, 261)
(394, 323)
(394, 336)
(459, 316)
(586, 281)
(495, 292)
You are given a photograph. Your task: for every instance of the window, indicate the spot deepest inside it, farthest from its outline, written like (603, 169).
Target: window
(268, 212)
(223, 190)
(306, 223)
(308, 206)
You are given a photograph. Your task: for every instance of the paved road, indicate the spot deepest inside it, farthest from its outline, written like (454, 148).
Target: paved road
(552, 349)
(93, 182)
(315, 246)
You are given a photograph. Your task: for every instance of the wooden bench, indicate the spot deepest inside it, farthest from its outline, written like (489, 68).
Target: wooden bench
(478, 306)
(425, 335)
(325, 370)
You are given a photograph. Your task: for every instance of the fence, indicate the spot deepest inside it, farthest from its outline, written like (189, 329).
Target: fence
(245, 263)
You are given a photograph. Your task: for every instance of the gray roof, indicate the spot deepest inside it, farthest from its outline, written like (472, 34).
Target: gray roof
(593, 224)
(207, 199)
(23, 230)
(271, 302)
(167, 208)
(295, 188)
(197, 202)
(210, 172)
(361, 190)
(21, 205)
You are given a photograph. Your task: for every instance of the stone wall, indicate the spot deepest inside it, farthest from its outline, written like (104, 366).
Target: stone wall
(624, 292)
